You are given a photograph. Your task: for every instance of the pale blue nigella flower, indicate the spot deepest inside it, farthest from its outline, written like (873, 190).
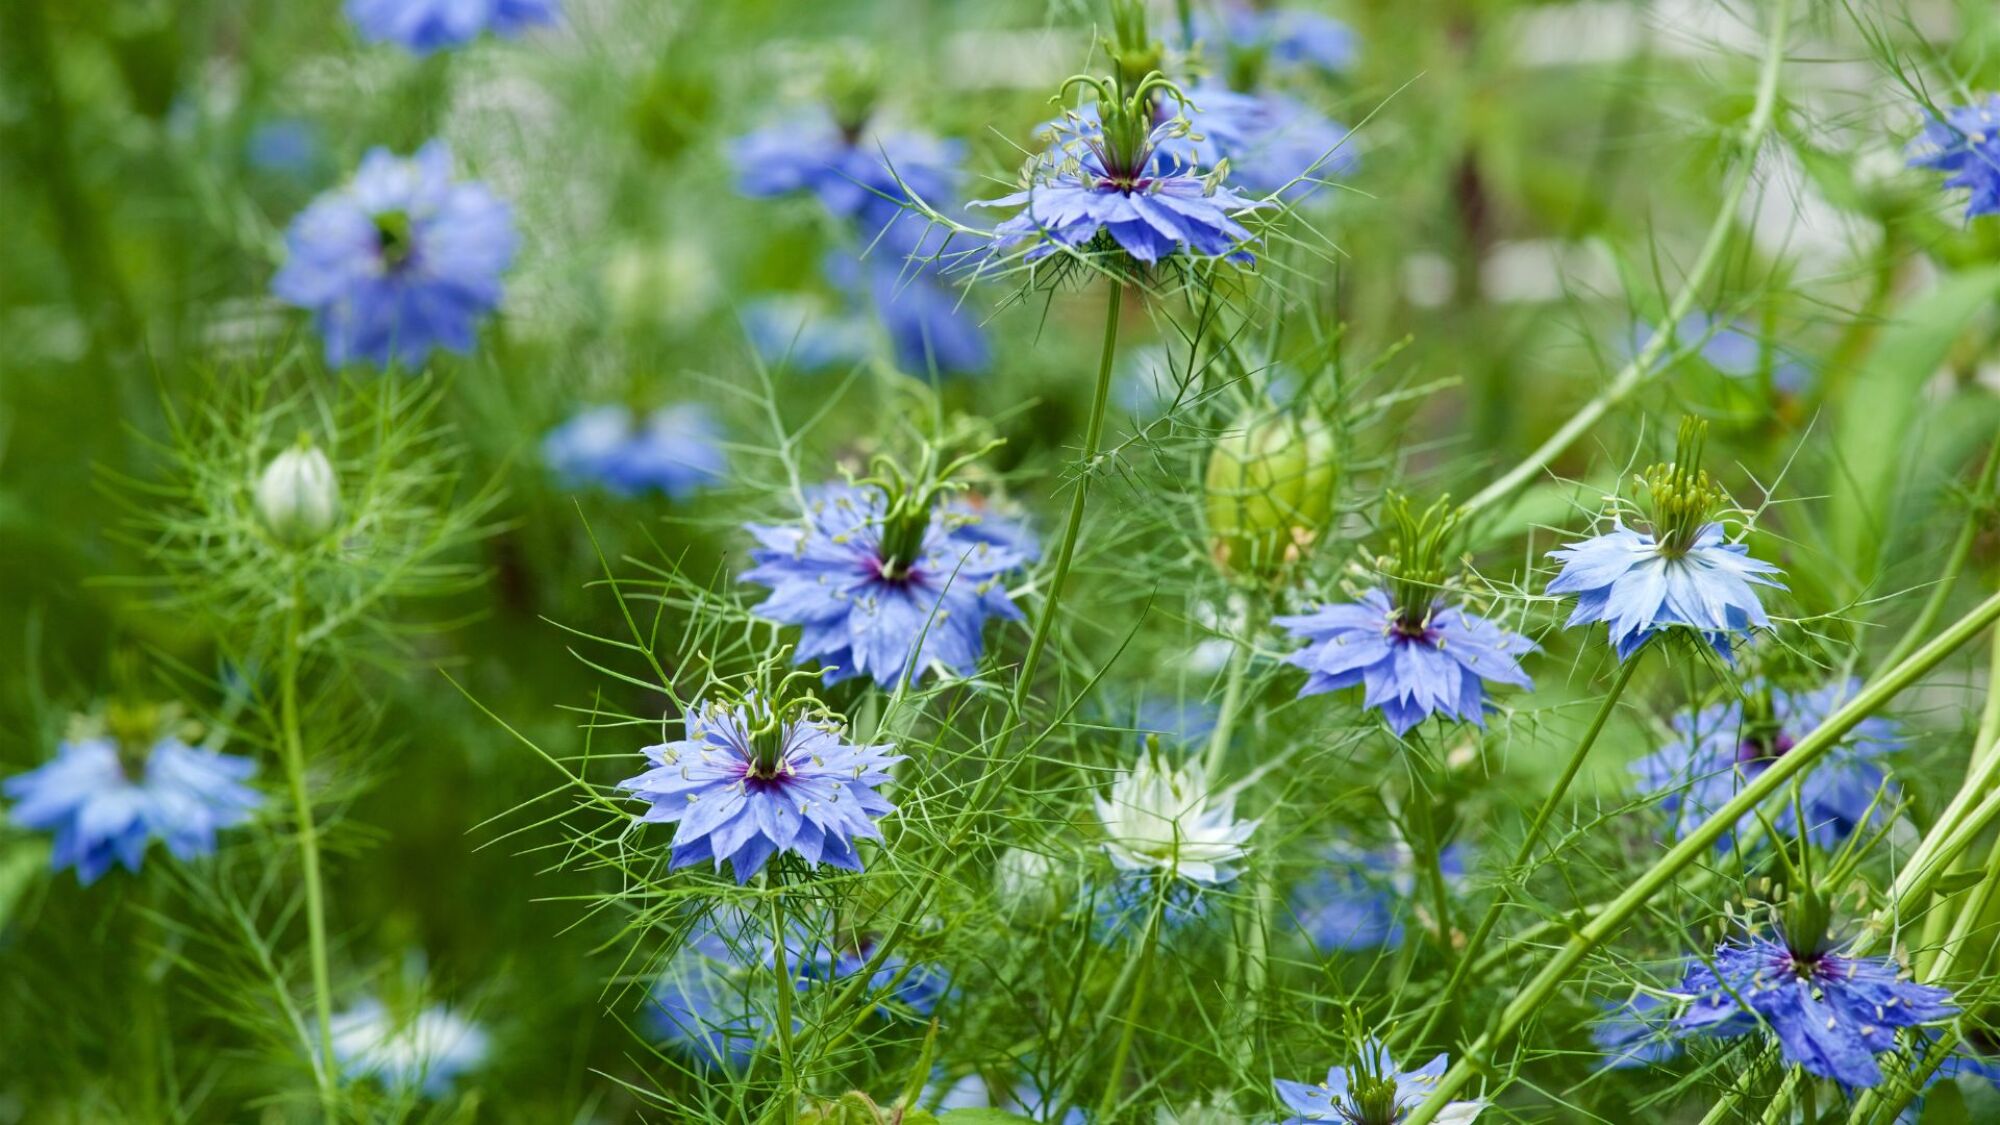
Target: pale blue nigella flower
(1717, 750)
(1832, 1013)
(716, 998)
(1633, 1034)
(1357, 900)
(1372, 1091)
(104, 807)
(1296, 37)
(1966, 144)
(1274, 143)
(747, 783)
(881, 587)
(399, 260)
(423, 26)
(803, 334)
(674, 450)
(425, 1051)
(1733, 350)
(866, 177)
(1682, 573)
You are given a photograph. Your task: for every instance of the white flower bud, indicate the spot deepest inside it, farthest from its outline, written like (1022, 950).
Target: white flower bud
(298, 497)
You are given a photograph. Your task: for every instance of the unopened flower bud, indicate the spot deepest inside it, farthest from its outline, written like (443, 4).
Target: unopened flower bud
(297, 496)
(1270, 487)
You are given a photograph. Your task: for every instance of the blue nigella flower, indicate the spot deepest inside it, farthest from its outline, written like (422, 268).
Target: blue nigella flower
(1966, 144)
(1683, 573)
(105, 806)
(1274, 143)
(1372, 1092)
(1116, 179)
(675, 450)
(1634, 1033)
(1733, 350)
(1719, 749)
(1357, 899)
(286, 146)
(716, 999)
(931, 328)
(423, 26)
(1438, 663)
(747, 783)
(853, 172)
(399, 260)
(922, 988)
(426, 1051)
(883, 586)
(1832, 1013)
(804, 335)
(1291, 37)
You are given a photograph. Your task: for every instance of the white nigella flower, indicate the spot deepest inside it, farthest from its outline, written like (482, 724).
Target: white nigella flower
(297, 495)
(1159, 819)
(426, 1051)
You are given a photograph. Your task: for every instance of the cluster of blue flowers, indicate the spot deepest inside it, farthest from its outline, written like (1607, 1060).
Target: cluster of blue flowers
(675, 450)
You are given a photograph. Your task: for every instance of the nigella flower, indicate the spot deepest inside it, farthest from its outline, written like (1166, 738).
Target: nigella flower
(905, 989)
(1682, 573)
(1733, 350)
(674, 450)
(1161, 820)
(931, 328)
(803, 334)
(1372, 1092)
(423, 26)
(1717, 750)
(1634, 1033)
(716, 999)
(1357, 899)
(1287, 36)
(883, 585)
(1412, 653)
(399, 260)
(1832, 1013)
(862, 175)
(1274, 143)
(1121, 184)
(747, 783)
(106, 798)
(1965, 144)
(426, 1051)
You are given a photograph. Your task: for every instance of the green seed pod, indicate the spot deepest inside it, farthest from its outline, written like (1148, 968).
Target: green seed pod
(1269, 489)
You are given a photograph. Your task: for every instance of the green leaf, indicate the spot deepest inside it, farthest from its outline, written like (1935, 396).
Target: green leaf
(984, 1117)
(22, 861)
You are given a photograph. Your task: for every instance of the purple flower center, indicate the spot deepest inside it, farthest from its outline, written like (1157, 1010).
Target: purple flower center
(1765, 747)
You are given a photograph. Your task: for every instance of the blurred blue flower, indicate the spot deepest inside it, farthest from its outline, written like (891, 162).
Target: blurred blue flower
(1292, 37)
(103, 808)
(1832, 1013)
(287, 146)
(880, 596)
(1717, 750)
(932, 329)
(1440, 665)
(676, 450)
(1272, 142)
(1965, 144)
(1124, 903)
(862, 176)
(1357, 899)
(423, 26)
(1638, 586)
(747, 783)
(1732, 350)
(1372, 1091)
(917, 994)
(716, 998)
(426, 1051)
(1634, 1033)
(399, 260)
(802, 334)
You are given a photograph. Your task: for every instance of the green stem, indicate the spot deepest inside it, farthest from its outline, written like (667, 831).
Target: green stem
(1697, 845)
(302, 808)
(1961, 550)
(1641, 369)
(1525, 853)
(1232, 694)
(788, 1094)
(1116, 1076)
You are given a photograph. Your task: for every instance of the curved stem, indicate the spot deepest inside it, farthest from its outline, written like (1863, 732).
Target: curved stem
(1643, 367)
(1525, 853)
(1697, 844)
(293, 745)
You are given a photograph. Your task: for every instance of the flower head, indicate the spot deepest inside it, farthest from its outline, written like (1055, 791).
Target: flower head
(1413, 654)
(1832, 1013)
(425, 1051)
(399, 260)
(423, 26)
(859, 174)
(1357, 899)
(1160, 819)
(1719, 749)
(107, 796)
(884, 579)
(715, 1000)
(1371, 1091)
(675, 449)
(1273, 143)
(1115, 180)
(1633, 1034)
(1965, 144)
(749, 782)
(1253, 34)
(1681, 573)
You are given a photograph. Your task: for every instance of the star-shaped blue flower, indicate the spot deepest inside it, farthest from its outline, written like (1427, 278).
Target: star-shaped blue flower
(1628, 580)
(1408, 671)
(1965, 144)
(1372, 1091)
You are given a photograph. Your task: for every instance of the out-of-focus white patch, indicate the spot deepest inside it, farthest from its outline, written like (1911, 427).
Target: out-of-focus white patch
(1790, 220)
(1579, 34)
(1541, 270)
(1428, 279)
(243, 325)
(1012, 60)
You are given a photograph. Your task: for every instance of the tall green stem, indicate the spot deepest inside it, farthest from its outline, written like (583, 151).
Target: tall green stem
(788, 1095)
(302, 808)
(1232, 692)
(1526, 852)
(1115, 1078)
(1696, 845)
